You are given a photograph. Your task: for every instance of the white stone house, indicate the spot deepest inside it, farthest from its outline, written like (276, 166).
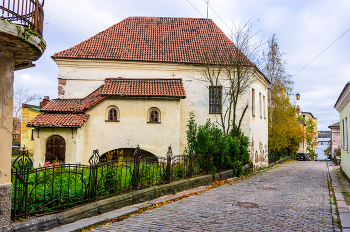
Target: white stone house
(135, 83)
(343, 107)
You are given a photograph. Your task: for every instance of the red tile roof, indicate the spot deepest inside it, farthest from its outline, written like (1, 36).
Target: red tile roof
(70, 112)
(119, 87)
(63, 105)
(74, 105)
(58, 120)
(157, 39)
(162, 88)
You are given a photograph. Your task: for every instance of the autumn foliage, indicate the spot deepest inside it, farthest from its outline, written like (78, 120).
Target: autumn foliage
(285, 132)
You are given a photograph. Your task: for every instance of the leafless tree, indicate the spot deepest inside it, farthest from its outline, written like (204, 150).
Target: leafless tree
(233, 71)
(21, 96)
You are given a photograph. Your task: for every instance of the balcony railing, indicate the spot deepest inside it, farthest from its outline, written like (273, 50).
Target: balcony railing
(26, 12)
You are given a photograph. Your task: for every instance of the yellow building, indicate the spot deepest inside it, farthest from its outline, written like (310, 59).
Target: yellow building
(308, 116)
(28, 113)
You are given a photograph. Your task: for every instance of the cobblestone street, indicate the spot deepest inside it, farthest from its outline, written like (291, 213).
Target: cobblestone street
(291, 197)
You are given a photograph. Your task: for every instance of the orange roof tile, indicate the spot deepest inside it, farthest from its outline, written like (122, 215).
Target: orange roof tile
(162, 88)
(157, 39)
(63, 105)
(58, 120)
(119, 87)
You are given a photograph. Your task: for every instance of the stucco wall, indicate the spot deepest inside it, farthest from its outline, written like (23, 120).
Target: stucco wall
(78, 78)
(7, 65)
(72, 137)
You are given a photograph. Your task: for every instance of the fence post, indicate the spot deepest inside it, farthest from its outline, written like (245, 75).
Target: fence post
(207, 156)
(190, 162)
(136, 172)
(22, 166)
(169, 157)
(94, 160)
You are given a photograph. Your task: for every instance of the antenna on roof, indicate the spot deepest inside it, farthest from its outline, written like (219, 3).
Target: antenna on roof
(207, 1)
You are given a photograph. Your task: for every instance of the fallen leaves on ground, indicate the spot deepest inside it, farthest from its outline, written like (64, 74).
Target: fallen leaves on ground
(289, 161)
(214, 184)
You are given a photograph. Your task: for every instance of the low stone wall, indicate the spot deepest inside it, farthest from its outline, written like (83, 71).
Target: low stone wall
(96, 208)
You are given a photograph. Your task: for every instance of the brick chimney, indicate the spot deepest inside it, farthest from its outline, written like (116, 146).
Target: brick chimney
(45, 101)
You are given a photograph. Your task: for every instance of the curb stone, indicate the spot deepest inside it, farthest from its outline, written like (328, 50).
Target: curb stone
(343, 209)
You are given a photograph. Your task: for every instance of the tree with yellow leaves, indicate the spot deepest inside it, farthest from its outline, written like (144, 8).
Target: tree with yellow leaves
(284, 130)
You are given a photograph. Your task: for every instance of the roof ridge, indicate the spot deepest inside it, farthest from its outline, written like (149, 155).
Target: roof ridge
(141, 79)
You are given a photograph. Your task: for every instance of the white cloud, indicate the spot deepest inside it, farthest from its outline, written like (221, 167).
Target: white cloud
(304, 29)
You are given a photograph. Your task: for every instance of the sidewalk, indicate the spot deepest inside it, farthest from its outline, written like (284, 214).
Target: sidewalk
(341, 188)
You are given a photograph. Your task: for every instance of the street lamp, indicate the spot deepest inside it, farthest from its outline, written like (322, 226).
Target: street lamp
(297, 96)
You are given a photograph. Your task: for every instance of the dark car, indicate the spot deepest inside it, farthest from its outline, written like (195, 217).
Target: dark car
(302, 156)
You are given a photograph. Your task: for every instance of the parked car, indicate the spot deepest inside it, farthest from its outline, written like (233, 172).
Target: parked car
(302, 156)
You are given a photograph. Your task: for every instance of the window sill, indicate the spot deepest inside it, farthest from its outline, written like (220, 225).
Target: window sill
(214, 113)
(112, 120)
(154, 122)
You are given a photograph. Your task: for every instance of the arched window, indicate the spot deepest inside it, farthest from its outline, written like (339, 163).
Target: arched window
(154, 115)
(256, 157)
(112, 114)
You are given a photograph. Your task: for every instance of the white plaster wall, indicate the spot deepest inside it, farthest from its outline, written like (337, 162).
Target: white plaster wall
(133, 127)
(71, 138)
(84, 76)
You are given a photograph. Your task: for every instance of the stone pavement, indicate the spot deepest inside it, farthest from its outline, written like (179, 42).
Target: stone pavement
(292, 197)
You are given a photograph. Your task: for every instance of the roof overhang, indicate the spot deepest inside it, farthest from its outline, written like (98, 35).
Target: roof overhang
(343, 98)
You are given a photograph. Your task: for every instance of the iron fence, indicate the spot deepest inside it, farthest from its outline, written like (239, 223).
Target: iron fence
(275, 156)
(53, 188)
(27, 12)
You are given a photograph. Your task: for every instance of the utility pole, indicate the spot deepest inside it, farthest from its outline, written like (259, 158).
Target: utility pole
(207, 1)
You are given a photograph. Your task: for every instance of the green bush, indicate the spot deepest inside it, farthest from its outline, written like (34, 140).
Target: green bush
(227, 151)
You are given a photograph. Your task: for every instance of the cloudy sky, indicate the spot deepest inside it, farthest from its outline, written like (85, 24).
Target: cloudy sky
(303, 28)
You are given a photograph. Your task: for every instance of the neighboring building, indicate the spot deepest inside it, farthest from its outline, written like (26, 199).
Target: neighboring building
(308, 116)
(302, 144)
(16, 133)
(343, 107)
(28, 113)
(335, 141)
(135, 83)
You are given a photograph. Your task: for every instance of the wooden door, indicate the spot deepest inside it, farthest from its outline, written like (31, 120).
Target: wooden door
(55, 149)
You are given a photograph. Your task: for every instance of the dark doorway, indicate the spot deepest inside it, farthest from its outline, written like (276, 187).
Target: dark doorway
(55, 149)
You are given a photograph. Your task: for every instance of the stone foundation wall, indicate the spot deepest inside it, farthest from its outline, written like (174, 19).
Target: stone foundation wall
(5, 205)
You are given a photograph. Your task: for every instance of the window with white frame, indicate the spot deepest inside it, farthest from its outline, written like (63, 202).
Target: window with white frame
(260, 105)
(112, 114)
(342, 134)
(264, 106)
(346, 134)
(253, 102)
(154, 115)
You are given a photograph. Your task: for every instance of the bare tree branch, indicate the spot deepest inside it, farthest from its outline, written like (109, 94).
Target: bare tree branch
(21, 96)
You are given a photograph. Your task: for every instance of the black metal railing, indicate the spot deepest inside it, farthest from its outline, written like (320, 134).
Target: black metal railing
(275, 156)
(53, 188)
